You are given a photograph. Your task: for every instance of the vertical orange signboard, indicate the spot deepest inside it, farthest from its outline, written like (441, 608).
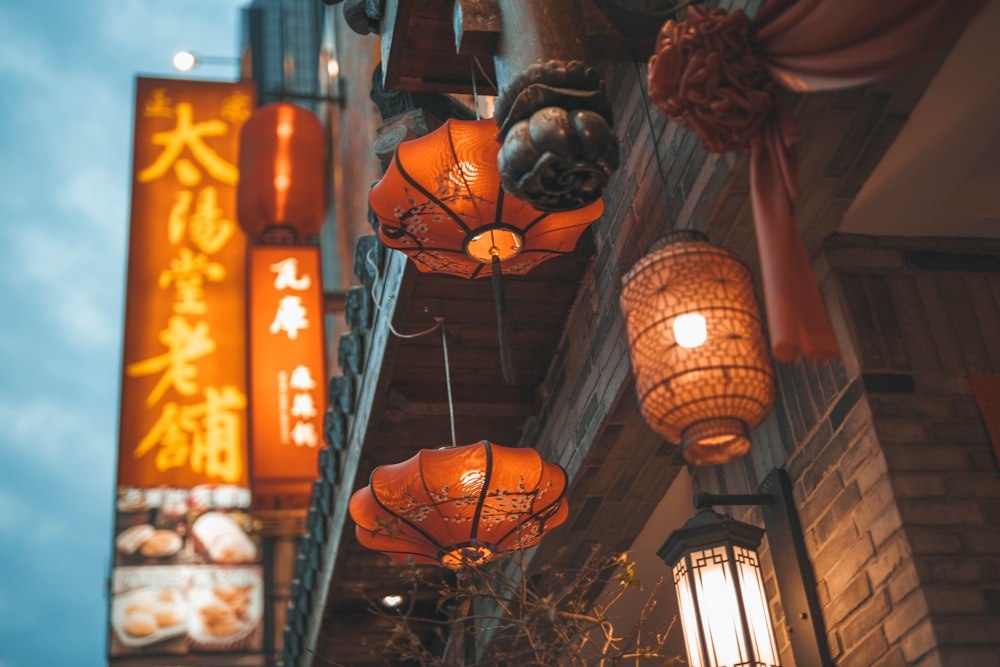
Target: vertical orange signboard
(287, 373)
(187, 583)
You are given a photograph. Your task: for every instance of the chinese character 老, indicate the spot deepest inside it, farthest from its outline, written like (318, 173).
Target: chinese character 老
(185, 344)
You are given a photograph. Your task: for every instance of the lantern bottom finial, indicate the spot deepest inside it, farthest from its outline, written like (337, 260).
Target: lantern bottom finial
(715, 441)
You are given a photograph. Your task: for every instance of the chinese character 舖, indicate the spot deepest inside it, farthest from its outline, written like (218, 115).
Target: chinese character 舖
(207, 436)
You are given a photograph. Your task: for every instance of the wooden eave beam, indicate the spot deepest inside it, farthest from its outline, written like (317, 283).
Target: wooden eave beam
(397, 283)
(611, 34)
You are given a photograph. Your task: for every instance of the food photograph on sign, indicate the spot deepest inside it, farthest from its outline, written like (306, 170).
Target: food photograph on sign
(187, 576)
(179, 610)
(208, 524)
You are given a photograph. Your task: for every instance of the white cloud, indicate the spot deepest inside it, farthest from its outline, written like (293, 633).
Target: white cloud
(68, 443)
(67, 280)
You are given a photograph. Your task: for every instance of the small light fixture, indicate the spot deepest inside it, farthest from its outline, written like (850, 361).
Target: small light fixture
(720, 591)
(702, 369)
(391, 601)
(184, 61)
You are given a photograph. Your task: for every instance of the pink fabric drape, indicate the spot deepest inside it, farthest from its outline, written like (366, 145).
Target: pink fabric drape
(705, 74)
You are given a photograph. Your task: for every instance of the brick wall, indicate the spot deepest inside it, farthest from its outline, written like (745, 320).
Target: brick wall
(926, 314)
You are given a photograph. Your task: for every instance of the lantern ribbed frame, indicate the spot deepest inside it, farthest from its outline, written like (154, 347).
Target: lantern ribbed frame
(706, 398)
(460, 506)
(441, 201)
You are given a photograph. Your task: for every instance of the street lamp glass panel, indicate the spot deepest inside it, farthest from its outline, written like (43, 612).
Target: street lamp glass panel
(184, 61)
(720, 612)
(689, 614)
(755, 606)
(719, 631)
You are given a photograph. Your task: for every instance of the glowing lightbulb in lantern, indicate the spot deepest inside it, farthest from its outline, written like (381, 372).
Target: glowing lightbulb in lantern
(690, 330)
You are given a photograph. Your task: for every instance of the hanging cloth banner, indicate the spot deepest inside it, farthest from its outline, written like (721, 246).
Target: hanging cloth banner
(719, 75)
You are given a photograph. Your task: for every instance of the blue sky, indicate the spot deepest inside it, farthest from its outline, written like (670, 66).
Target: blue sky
(67, 73)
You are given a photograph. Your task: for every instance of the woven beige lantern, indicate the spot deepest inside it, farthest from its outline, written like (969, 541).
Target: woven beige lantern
(702, 369)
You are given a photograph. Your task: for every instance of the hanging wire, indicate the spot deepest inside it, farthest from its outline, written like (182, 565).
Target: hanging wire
(483, 72)
(438, 324)
(447, 377)
(378, 307)
(649, 124)
(475, 95)
(494, 250)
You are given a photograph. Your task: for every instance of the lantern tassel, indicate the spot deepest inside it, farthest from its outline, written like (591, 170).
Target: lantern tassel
(503, 326)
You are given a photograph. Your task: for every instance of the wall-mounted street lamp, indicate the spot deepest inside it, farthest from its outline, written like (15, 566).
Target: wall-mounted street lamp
(720, 591)
(185, 61)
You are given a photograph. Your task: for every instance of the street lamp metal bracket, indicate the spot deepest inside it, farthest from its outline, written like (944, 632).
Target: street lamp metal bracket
(793, 571)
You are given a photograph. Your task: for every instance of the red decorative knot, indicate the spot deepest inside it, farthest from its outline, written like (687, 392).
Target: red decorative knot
(705, 76)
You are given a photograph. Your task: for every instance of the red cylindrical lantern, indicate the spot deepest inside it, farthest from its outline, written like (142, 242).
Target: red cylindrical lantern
(282, 172)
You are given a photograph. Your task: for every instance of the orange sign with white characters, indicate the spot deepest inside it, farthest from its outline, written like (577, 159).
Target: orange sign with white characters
(187, 583)
(287, 374)
(184, 405)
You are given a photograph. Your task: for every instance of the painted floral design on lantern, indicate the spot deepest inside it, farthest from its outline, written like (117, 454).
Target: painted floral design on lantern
(441, 202)
(460, 506)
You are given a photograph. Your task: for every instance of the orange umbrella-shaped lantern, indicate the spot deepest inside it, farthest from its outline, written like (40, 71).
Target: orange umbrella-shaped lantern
(460, 506)
(441, 202)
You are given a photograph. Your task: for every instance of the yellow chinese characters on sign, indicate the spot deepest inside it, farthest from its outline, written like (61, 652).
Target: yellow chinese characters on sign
(184, 386)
